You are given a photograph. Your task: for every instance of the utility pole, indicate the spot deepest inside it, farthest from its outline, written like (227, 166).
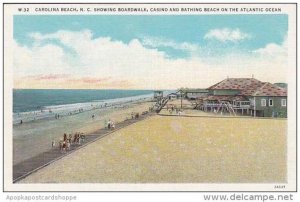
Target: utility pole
(181, 98)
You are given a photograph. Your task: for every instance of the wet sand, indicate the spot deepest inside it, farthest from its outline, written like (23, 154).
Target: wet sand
(32, 138)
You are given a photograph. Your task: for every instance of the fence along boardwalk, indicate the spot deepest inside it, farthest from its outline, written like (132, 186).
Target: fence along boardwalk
(25, 168)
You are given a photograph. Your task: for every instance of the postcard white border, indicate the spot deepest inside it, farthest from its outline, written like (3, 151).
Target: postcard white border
(11, 9)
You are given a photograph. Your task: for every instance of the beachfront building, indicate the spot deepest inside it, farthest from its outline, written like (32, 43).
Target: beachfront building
(193, 94)
(158, 95)
(173, 96)
(269, 101)
(246, 96)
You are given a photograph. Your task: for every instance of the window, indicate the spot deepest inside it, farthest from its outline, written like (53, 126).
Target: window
(263, 102)
(270, 102)
(283, 102)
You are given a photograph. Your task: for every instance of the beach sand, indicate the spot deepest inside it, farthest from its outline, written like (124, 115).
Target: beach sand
(32, 138)
(174, 149)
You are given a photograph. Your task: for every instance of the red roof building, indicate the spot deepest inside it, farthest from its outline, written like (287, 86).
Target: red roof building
(269, 89)
(261, 98)
(246, 86)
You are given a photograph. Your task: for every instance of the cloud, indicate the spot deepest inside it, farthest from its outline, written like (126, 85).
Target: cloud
(71, 81)
(156, 42)
(93, 80)
(65, 37)
(100, 62)
(273, 49)
(37, 60)
(47, 77)
(227, 35)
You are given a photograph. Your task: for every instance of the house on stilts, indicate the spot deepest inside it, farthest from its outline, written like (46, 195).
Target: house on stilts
(245, 96)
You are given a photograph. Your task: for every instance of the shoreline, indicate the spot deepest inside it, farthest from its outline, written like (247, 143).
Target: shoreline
(59, 111)
(33, 138)
(32, 165)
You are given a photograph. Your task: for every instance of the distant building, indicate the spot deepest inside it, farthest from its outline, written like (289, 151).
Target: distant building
(158, 95)
(282, 85)
(173, 96)
(247, 95)
(193, 94)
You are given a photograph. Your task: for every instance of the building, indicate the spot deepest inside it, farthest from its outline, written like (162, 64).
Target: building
(282, 85)
(269, 101)
(158, 95)
(172, 96)
(193, 94)
(246, 96)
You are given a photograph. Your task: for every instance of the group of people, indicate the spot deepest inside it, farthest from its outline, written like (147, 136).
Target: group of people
(151, 109)
(110, 124)
(57, 116)
(68, 140)
(173, 108)
(135, 115)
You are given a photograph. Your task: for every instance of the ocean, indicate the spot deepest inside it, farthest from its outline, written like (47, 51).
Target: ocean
(33, 104)
(25, 100)
(36, 123)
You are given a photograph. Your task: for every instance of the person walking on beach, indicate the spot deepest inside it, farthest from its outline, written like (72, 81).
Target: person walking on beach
(65, 137)
(70, 138)
(75, 138)
(79, 138)
(109, 124)
(179, 112)
(112, 125)
(68, 145)
(53, 143)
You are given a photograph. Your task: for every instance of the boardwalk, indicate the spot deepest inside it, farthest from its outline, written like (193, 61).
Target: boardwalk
(33, 164)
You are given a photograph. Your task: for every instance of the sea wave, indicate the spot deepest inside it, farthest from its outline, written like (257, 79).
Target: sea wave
(58, 111)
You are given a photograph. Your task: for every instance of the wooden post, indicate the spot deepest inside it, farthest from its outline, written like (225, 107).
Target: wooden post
(181, 99)
(254, 108)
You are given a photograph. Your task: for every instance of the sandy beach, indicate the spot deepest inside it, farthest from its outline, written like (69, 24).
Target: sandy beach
(32, 138)
(174, 149)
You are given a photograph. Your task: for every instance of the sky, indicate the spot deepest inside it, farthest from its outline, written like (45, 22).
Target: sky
(147, 51)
